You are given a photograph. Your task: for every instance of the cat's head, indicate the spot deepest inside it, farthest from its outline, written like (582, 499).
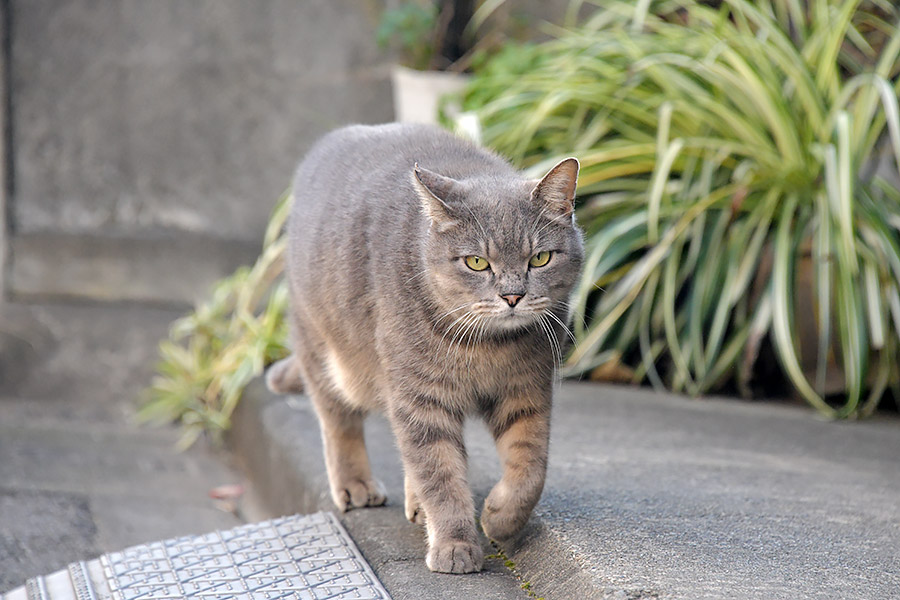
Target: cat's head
(501, 252)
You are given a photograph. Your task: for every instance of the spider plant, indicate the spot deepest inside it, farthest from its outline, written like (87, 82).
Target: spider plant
(215, 351)
(722, 148)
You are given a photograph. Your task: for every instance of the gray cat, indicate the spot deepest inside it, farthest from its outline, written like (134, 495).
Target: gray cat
(430, 280)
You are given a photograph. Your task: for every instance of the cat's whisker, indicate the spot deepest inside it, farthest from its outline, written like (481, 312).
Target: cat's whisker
(486, 307)
(417, 275)
(551, 338)
(539, 221)
(543, 327)
(448, 349)
(453, 310)
(461, 337)
(471, 212)
(559, 354)
(556, 343)
(569, 311)
(462, 325)
(566, 329)
(539, 304)
(476, 326)
(551, 222)
(447, 314)
(555, 339)
(467, 337)
(557, 378)
(453, 324)
(483, 332)
(460, 334)
(449, 329)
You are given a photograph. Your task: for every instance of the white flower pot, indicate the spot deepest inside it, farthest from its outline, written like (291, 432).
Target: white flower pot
(417, 94)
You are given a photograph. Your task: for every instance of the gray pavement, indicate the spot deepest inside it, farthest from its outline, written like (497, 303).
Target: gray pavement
(77, 476)
(648, 496)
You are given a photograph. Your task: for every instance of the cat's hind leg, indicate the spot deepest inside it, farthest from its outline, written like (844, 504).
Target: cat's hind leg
(346, 459)
(283, 377)
(413, 509)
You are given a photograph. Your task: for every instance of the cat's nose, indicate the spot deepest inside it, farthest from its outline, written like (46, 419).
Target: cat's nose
(512, 299)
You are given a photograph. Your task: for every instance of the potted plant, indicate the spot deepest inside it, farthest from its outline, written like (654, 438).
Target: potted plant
(727, 156)
(436, 41)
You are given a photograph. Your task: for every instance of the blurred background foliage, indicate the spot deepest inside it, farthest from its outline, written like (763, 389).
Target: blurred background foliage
(216, 350)
(739, 196)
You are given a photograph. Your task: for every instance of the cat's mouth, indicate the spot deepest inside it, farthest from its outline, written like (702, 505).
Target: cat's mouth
(523, 314)
(499, 317)
(514, 319)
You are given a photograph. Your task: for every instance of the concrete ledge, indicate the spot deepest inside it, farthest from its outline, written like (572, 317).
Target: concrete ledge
(169, 269)
(648, 496)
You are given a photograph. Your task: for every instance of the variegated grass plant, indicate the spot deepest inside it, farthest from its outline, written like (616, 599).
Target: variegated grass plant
(215, 351)
(721, 149)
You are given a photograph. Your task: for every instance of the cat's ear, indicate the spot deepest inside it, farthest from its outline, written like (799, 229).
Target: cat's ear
(433, 191)
(557, 188)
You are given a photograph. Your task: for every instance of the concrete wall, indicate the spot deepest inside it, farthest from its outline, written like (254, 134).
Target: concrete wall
(151, 139)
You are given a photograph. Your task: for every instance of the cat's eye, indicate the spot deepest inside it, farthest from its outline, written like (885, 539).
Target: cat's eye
(540, 259)
(476, 263)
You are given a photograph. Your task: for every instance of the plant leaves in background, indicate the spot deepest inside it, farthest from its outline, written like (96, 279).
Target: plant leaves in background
(214, 352)
(722, 148)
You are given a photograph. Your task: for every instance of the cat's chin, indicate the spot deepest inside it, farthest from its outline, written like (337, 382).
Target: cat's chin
(513, 322)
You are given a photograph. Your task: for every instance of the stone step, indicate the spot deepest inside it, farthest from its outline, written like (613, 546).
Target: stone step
(300, 557)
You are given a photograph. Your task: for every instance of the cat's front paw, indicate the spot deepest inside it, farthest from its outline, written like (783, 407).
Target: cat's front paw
(502, 520)
(455, 556)
(357, 493)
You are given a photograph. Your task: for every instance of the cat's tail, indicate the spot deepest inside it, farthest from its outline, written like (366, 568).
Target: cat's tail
(284, 377)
